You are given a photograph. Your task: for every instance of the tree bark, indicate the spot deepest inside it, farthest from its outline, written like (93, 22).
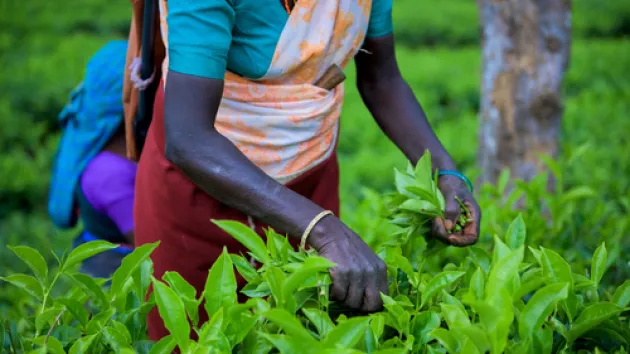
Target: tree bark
(526, 47)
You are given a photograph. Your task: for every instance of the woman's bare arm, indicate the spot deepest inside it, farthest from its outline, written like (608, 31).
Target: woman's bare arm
(217, 166)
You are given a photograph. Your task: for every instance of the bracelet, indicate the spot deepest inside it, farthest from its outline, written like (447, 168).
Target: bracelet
(458, 175)
(310, 226)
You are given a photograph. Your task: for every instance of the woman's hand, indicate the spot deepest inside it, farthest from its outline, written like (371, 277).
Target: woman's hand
(360, 275)
(454, 188)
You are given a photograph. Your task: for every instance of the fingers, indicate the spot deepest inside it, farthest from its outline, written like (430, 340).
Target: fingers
(439, 230)
(451, 212)
(471, 230)
(340, 283)
(372, 298)
(376, 284)
(470, 233)
(357, 288)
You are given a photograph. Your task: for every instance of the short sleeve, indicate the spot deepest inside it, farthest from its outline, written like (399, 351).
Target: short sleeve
(199, 36)
(381, 23)
(108, 183)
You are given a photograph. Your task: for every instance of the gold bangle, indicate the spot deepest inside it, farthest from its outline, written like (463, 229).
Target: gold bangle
(310, 226)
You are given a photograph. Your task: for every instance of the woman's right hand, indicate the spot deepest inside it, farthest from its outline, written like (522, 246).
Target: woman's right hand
(360, 275)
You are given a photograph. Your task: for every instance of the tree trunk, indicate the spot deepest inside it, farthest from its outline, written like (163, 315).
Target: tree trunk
(526, 47)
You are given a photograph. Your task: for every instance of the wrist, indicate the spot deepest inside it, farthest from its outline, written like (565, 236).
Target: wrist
(454, 179)
(443, 162)
(321, 233)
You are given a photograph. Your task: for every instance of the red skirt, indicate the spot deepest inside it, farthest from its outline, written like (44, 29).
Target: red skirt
(172, 209)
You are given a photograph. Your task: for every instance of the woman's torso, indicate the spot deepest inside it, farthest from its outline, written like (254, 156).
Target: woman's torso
(270, 60)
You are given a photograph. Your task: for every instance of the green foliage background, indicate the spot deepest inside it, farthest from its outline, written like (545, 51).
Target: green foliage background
(44, 46)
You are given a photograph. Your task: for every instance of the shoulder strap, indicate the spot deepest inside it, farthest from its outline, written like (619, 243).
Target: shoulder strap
(145, 42)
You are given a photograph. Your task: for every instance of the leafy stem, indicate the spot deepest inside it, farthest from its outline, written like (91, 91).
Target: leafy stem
(54, 324)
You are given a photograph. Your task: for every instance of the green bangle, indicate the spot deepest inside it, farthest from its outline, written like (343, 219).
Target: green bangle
(458, 175)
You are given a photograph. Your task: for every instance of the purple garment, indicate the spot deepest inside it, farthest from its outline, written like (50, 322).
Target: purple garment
(108, 184)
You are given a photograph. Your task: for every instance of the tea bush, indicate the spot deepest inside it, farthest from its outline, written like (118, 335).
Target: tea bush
(514, 298)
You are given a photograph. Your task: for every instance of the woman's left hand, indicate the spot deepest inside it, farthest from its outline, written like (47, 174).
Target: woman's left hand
(454, 188)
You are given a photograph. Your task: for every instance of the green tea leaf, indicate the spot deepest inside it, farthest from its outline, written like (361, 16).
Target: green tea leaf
(210, 330)
(186, 292)
(247, 237)
(480, 257)
(423, 171)
(34, 260)
(129, 265)
(537, 254)
(402, 181)
(516, 233)
(90, 287)
(85, 251)
(503, 271)
(540, 306)
(272, 246)
(171, 309)
(424, 194)
(276, 279)
(496, 314)
(529, 285)
(255, 343)
(96, 322)
(2, 335)
(476, 334)
(478, 284)
(76, 309)
(52, 344)
(320, 320)
(347, 333)
(122, 329)
(45, 318)
(576, 193)
(500, 250)
(27, 283)
(598, 264)
(67, 334)
(422, 324)
(446, 339)
(377, 324)
(403, 264)
(468, 347)
(254, 290)
(591, 317)
(543, 340)
(441, 281)
(454, 316)
(142, 278)
(220, 288)
(420, 207)
(82, 345)
(622, 295)
(286, 344)
(392, 351)
(291, 326)
(115, 339)
(555, 268)
(166, 345)
(310, 267)
(245, 268)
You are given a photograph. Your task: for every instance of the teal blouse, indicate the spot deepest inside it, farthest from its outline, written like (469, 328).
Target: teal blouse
(206, 37)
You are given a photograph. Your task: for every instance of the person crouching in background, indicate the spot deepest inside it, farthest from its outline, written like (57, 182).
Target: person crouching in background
(92, 180)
